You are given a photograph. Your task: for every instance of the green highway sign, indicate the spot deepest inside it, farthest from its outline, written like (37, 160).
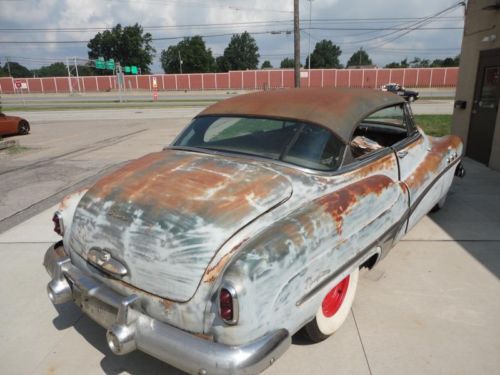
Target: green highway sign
(126, 69)
(110, 64)
(133, 69)
(100, 63)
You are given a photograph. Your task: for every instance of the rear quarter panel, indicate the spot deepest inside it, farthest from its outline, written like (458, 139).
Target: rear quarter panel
(307, 252)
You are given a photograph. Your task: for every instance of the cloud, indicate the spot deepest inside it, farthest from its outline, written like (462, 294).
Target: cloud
(175, 14)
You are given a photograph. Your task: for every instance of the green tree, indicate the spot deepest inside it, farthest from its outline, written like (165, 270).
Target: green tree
(16, 70)
(240, 54)
(360, 57)
(128, 45)
(325, 55)
(195, 57)
(266, 65)
(57, 69)
(401, 64)
(287, 63)
(446, 62)
(417, 62)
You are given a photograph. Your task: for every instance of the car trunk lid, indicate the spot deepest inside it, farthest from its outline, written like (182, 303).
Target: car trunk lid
(164, 216)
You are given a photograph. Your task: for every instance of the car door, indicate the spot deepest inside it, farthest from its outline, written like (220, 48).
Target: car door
(8, 125)
(415, 158)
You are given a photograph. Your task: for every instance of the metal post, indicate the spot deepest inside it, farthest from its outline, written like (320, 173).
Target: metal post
(296, 42)
(77, 76)
(69, 77)
(180, 60)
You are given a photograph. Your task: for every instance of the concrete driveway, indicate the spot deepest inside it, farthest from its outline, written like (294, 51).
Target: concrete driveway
(431, 307)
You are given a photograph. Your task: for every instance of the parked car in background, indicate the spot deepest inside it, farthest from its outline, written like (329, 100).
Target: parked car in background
(252, 225)
(13, 125)
(396, 88)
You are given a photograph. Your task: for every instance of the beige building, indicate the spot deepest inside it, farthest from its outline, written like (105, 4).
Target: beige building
(476, 117)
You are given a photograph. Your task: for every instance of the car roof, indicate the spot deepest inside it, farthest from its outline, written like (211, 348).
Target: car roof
(337, 109)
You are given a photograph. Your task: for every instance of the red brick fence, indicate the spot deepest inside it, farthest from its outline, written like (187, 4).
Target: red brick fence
(237, 80)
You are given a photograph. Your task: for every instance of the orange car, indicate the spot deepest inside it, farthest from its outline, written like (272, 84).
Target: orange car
(13, 125)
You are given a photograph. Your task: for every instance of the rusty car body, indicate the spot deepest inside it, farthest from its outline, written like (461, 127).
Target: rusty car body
(251, 225)
(10, 125)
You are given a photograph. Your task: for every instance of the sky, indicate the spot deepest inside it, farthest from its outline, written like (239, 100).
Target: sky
(373, 25)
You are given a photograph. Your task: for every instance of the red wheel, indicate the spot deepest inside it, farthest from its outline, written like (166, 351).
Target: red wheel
(334, 309)
(334, 298)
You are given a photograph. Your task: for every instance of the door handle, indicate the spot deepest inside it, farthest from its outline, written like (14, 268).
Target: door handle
(402, 154)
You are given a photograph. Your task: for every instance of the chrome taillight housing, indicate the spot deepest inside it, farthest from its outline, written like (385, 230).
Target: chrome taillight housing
(58, 223)
(228, 304)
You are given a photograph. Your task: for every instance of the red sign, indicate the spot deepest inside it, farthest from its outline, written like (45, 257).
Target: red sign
(18, 83)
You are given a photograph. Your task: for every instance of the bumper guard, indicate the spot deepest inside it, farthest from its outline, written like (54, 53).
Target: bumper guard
(129, 329)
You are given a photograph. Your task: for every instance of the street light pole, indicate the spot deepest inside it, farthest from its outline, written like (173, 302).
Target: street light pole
(296, 42)
(180, 60)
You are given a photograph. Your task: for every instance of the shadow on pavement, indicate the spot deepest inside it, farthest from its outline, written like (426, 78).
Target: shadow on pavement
(471, 215)
(135, 363)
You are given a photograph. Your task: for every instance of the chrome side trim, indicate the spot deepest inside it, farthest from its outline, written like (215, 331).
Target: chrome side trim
(431, 184)
(362, 256)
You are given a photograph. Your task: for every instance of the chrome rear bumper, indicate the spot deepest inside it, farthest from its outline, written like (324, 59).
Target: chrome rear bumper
(128, 329)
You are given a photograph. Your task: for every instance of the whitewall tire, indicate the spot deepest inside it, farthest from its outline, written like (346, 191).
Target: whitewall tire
(334, 309)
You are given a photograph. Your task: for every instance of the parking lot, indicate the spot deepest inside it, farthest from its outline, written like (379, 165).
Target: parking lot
(430, 307)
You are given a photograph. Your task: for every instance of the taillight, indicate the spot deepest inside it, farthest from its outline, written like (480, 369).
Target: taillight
(58, 223)
(228, 305)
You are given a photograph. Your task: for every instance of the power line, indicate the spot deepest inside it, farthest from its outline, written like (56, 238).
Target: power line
(210, 25)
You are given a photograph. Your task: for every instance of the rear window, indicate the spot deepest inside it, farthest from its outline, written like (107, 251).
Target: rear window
(305, 145)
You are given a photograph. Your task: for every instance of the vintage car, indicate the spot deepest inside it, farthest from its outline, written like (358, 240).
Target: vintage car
(250, 226)
(13, 125)
(397, 89)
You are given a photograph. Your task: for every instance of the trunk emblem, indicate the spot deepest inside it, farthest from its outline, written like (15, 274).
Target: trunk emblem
(102, 259)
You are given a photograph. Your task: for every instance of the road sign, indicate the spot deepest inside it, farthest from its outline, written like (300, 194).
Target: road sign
(100, 63)
(110, 64)
(126, 69)
(18, 83)
(133, 69)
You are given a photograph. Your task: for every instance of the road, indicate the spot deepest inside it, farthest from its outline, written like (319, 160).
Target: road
(68, 150)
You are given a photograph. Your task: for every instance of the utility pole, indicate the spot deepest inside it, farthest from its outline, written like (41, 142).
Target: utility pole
(309, 47)
(296, 42)
(8, 67)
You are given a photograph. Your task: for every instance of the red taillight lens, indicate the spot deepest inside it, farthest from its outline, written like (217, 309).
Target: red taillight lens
(58, 224)
(226, 305)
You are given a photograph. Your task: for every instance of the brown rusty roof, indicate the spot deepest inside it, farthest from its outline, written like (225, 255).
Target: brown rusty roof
(336, 109)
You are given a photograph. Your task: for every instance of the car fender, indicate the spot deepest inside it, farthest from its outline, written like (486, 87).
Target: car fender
(67, 209)
(281, 272)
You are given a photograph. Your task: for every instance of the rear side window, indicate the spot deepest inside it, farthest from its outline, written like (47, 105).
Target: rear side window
(380, 129)
(315, 148)
(298, 143)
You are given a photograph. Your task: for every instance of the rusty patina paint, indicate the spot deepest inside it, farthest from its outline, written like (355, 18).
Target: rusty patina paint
(434, 160)
(336, 109)
(168, 213)
(213, 272)
(339, 202)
